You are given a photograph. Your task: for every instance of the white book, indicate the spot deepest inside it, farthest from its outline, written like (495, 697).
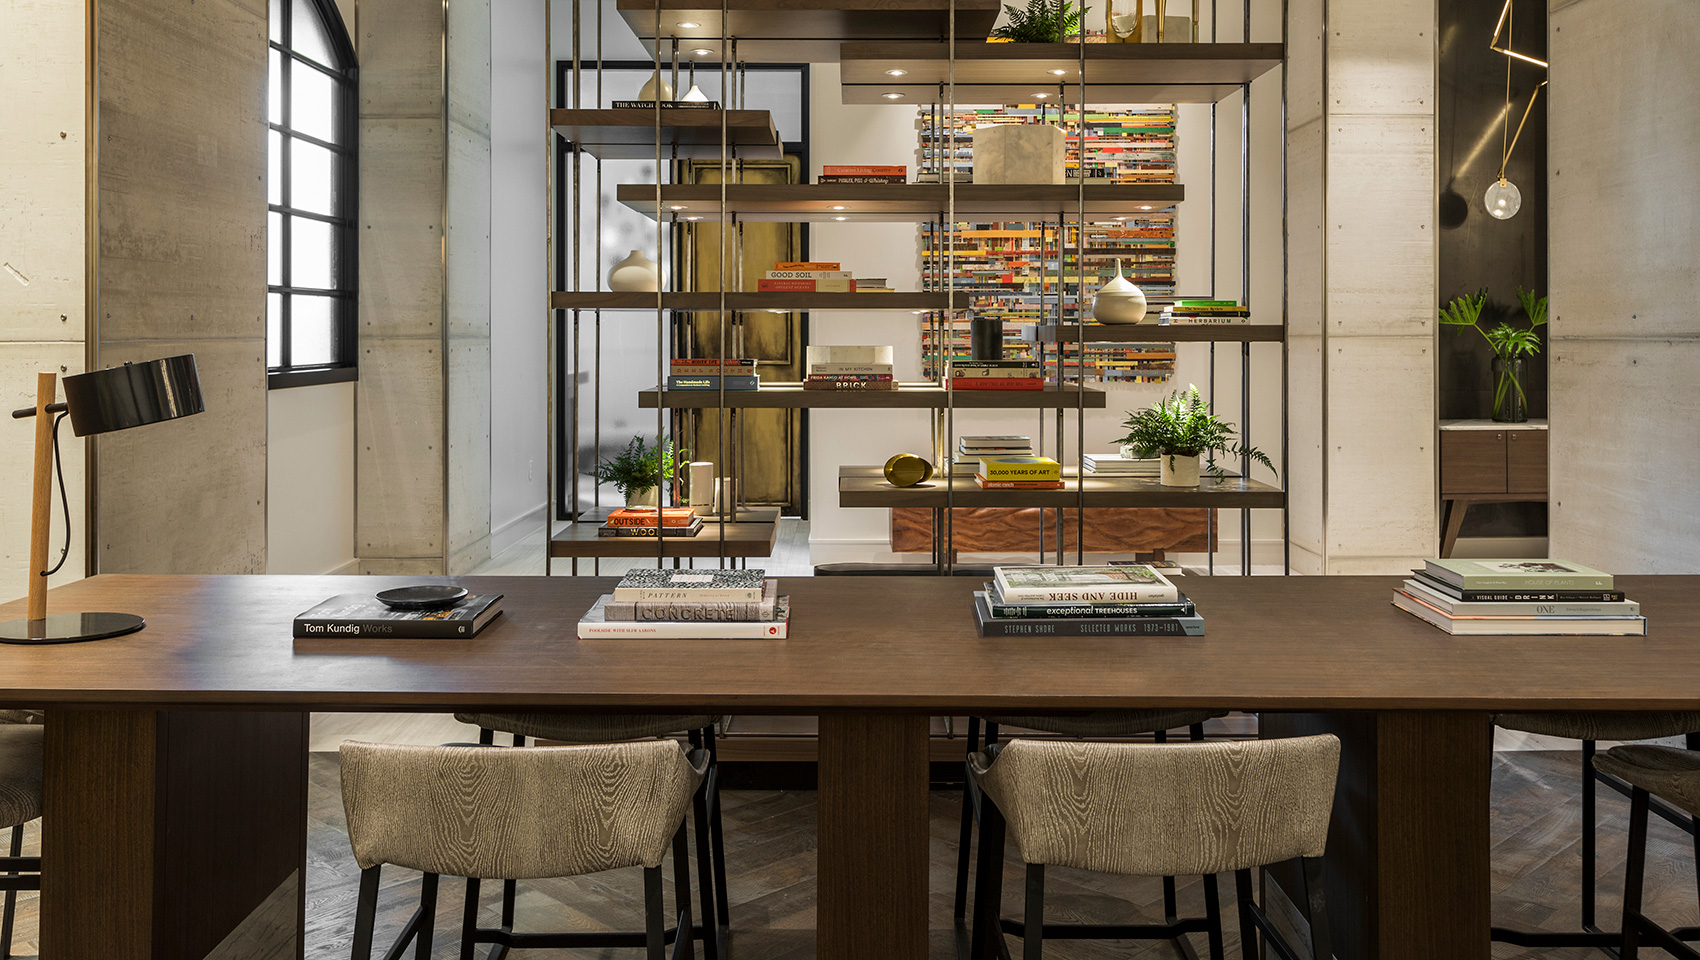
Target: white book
(638, 586)
(595, 624)
(848, 353)
(1519, 608)
(1130, 583)
(1522, 626)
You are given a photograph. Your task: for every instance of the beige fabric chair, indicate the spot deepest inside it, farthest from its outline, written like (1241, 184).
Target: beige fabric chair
(486, 813)
(20, 802)
(1675, 776)
(1160, 810)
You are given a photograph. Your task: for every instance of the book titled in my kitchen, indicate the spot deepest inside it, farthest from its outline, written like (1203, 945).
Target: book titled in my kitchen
(1136, 583)
(1518, 574)
(363, 615)
(650, 585)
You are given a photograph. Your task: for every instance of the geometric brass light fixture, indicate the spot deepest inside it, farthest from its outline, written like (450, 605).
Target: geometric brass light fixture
(1503, 199)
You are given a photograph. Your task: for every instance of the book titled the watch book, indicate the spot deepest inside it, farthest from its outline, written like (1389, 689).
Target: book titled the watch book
(363, 615)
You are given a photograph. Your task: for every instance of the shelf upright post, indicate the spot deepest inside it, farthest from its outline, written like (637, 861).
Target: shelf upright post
(950, 232)
(1080, 315)
(660, 313)
(596, 316)
(577, 202)
(552, 495)
(728, 502)
(1286, 468)
(1245, 295)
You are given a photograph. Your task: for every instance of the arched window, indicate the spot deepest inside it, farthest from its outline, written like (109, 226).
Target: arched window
(311, 183)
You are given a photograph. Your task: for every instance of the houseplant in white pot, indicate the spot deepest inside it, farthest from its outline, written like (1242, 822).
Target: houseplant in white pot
(1178, 430)
(638, 470)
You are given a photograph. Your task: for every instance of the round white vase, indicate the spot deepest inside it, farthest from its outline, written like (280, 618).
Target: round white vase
(1178, 470)
(635, 274)
(1118, 301)
(656, 88)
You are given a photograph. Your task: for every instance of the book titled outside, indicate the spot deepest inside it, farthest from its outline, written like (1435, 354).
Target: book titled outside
(1137, 583)
(1524, 574)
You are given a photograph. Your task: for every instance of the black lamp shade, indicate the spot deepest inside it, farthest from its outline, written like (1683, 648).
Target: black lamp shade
(133, 395)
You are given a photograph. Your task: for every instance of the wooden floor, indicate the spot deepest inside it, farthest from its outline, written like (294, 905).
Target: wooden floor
(771, 850)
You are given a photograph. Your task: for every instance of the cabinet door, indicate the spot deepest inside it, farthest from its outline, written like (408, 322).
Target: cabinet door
(1526, 461)
(1472, 461)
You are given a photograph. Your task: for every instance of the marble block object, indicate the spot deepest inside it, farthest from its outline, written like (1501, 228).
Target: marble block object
(1018, 153)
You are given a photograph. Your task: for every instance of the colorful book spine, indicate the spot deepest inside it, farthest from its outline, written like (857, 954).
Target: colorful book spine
(693, 362)
(863, 170)
(836, 383)
(857, 178)
(808, 265)
(996, 373)
(1075, 611)
(765, 285)
(998, 383)
(1017, 484)
(991, 626)
(849, 369)
(648, 521)
(846, 377)
(808, 275)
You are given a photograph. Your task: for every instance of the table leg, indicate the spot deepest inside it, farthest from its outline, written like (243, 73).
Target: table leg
(871, 898)
(173, 835)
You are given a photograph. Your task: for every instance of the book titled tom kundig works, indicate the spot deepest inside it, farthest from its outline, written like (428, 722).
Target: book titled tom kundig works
(1135, 583)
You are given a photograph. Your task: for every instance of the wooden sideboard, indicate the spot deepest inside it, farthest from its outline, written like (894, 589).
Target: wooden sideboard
(1486, 462)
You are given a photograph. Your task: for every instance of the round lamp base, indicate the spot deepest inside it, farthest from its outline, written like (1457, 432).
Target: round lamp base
(70, 628)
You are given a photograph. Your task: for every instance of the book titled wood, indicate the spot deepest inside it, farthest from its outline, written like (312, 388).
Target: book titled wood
(1181, 607)
(863, 170)
(1518, 596)
(991, 626)
(639, 585)
(1511, 608)
(650, 531)
(713, 383)
(997, 383)
(1131, 583)
(645, 516)
(1521, 626)
(1020, 468)
(363, 615)
(1017, 484)
(841, 285)
(596, 624)
(681, 611)
(1517, 574)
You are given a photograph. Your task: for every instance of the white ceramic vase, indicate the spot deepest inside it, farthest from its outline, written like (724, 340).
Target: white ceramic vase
(655, 88)
(1118, 301)
(635, 274)
(643, 498)
(1177, 470)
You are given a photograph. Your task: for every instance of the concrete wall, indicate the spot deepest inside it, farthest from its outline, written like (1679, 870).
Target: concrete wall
(181, 269)
(1625, 338)
(310, 479)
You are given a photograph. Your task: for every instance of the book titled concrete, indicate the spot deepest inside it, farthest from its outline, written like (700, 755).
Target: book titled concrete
(991, 626)
(595, 624)
(363, 615)
(679, 611)
(1518, 574)
(1135, 583)
(691, 585)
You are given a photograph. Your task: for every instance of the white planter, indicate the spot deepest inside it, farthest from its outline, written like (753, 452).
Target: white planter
(1019, 153)
(635, 274)
(650, 497)
(1176, 470)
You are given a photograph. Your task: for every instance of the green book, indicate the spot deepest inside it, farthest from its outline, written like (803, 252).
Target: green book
(1518, 575)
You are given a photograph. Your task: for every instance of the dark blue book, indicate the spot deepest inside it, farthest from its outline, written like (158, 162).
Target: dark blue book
(991, 626)
(677, 382)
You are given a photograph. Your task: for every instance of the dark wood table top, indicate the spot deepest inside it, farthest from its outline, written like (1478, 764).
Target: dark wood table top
(893, 644)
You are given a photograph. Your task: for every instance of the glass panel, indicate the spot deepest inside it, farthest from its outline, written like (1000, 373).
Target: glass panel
(275, 33)
(311, 325)
(309, 35)
(274, 249)
(312, 254)
(315, 102)
(312, 178)
(274, 87)
(274, 330)
(274, 167)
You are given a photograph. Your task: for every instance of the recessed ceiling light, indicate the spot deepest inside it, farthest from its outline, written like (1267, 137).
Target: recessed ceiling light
(1058, 73)
(1040, 96)
(1146, 207)
(892, 96)
(838, 206)
(896, 73)
(840, 218)
(678, 206)
(693, 218)
(688, 25)
(702, 51)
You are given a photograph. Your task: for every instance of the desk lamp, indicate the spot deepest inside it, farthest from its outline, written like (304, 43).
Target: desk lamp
(116, 398)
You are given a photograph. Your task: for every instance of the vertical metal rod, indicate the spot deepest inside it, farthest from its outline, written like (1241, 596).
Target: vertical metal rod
(1245, 300)
(729, 499)
(1080, 319)
(551, 494)
(577, 65)
(660, 312)
(1286, 463)
(950, 295)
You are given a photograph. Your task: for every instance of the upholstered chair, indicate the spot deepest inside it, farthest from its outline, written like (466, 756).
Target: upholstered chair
(1674, 776)
(20, 802)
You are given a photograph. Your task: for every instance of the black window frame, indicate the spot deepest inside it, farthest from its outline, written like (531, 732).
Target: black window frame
(345, 316)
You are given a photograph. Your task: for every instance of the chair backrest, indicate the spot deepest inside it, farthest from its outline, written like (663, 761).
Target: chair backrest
(1161, 809)
(516, 814)
(20, 773)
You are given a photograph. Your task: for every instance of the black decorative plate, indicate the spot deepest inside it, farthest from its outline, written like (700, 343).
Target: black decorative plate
(423, 597)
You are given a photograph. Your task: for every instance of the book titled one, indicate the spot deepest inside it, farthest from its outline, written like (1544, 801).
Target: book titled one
(363, 615)
(808, 274)
(1518, 596)
(1020, 468)
(713, 383)
(1132, 583)
(1518, 574)
(1521, 626)
(808, 265)
(765, 285)
(1017, 484)
(1181, 607)
(687, 610)
(991, 626)
(746, 585)
(645, 517)
(997, 383)
(863, 170)
(1467, 608)
(596, 624)
(649, 531)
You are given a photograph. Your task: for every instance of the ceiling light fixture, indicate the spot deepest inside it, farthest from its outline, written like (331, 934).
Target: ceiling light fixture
(892, 96)
(1502, 198)
(678, 206)
(897, 73)
(1145, 207)
(688, 25)
(838, 206)
(1040, 96)
(701, 51)
(840, 218)
(1058, 73)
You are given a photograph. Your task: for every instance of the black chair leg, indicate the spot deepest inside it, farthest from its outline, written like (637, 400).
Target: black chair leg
(1033, 936)
(965, 837)
(1633, 873)
(1590, 827)
(1213, 916)
(684, 943)
(705, 857)
(1248, 925)
(365, 914)
(427, 917)
(486, 736)
(510, 891)
(987, 933)
(1693, 743)
(11, 897)
(1316, 900)
(717, 839)
(469, 922)
(655, 920)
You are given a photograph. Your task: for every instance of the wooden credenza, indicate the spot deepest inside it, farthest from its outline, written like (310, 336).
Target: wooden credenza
(1486, 462)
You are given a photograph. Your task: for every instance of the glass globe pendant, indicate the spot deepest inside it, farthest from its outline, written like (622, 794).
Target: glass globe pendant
(1503, 199)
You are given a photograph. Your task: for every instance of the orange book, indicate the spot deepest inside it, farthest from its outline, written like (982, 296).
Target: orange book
(1017, 484)
(645, 517)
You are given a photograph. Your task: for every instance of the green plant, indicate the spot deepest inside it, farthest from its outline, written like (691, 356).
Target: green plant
(639, 467)
(1183, 425)
(1508, 342)
(1041, 22)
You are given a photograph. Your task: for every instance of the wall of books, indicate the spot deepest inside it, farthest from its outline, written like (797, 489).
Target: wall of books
(1019, 271)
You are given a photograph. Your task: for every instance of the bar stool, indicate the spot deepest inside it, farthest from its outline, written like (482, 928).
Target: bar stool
(1589, 728)
(1673, 775)
(1098, 724)
(614, 728)
(20, 802)
(479, 813)
(1155, 810)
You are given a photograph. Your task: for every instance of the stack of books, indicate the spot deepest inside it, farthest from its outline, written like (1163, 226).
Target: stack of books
(807, 276)
(1519, 598)
(691, 605)
(1121, 600)
(642, 522)
(873, 285)
(1019, 473)
(969, 450)
(849, 368)
(1115, 465)
(712, 373)
(1185, 312)
(863, 173)
(996, 375)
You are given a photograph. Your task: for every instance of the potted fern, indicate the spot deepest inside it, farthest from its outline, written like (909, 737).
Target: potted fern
(1041, 22)
(1178, 430)
(638, 470)
(1511, 345)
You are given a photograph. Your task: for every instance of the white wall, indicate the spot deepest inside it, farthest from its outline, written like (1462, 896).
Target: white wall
(310, 479)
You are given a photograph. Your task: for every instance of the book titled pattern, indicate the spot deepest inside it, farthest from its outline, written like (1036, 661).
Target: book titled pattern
(744, 585)
(680, 611)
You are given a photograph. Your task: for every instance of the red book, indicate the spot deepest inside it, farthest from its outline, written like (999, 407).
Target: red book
(998, 383)
(710, 362)
(1017, 484)
(804, 286)
(863, 170)
(645, 517)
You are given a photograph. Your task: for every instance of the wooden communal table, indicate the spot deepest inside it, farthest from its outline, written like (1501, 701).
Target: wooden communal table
(176, 793)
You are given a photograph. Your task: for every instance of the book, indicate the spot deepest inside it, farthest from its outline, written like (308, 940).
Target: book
(715, 372)
(1020, 468)
(815, 356)
(1180, 607)
(836, 383)
(1008, 441)
(991, 626)
(686, 610)
(846, 377)
(1114, 465)
(1517, 574)
(808, 275)
(713, 383)
(997, 383)
(994, 373)
(1207, 311)
(645, 517)
(807, 265)
(861, 178)
(667, 104)
(596, 624)
(694, 362)
(1521, 626)
(1131, 583)
(1518, 596)
(994, 364)
(840, 285)
(1017, 484)
(651, 531)
(863, 170)
(850, 369)
(1167, 320)
(639, 585)
(363, 615)
(1512, 608)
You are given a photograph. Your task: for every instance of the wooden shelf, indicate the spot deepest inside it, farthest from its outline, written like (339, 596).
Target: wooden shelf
(866, 486)
(1156, 333)
(801, 31)
(752, 302)
(632, 134)
(743, 539)
(1013, 72)
(898, 202)
(913, 396)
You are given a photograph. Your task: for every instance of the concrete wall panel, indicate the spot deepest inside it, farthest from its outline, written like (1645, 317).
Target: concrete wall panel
(1380, 448)
(401, 58)
(401, 213)
(1381, 257)
(399, 485)
(1381, 57)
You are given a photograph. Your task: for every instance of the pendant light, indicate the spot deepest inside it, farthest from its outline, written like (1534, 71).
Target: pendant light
(1503, 199)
